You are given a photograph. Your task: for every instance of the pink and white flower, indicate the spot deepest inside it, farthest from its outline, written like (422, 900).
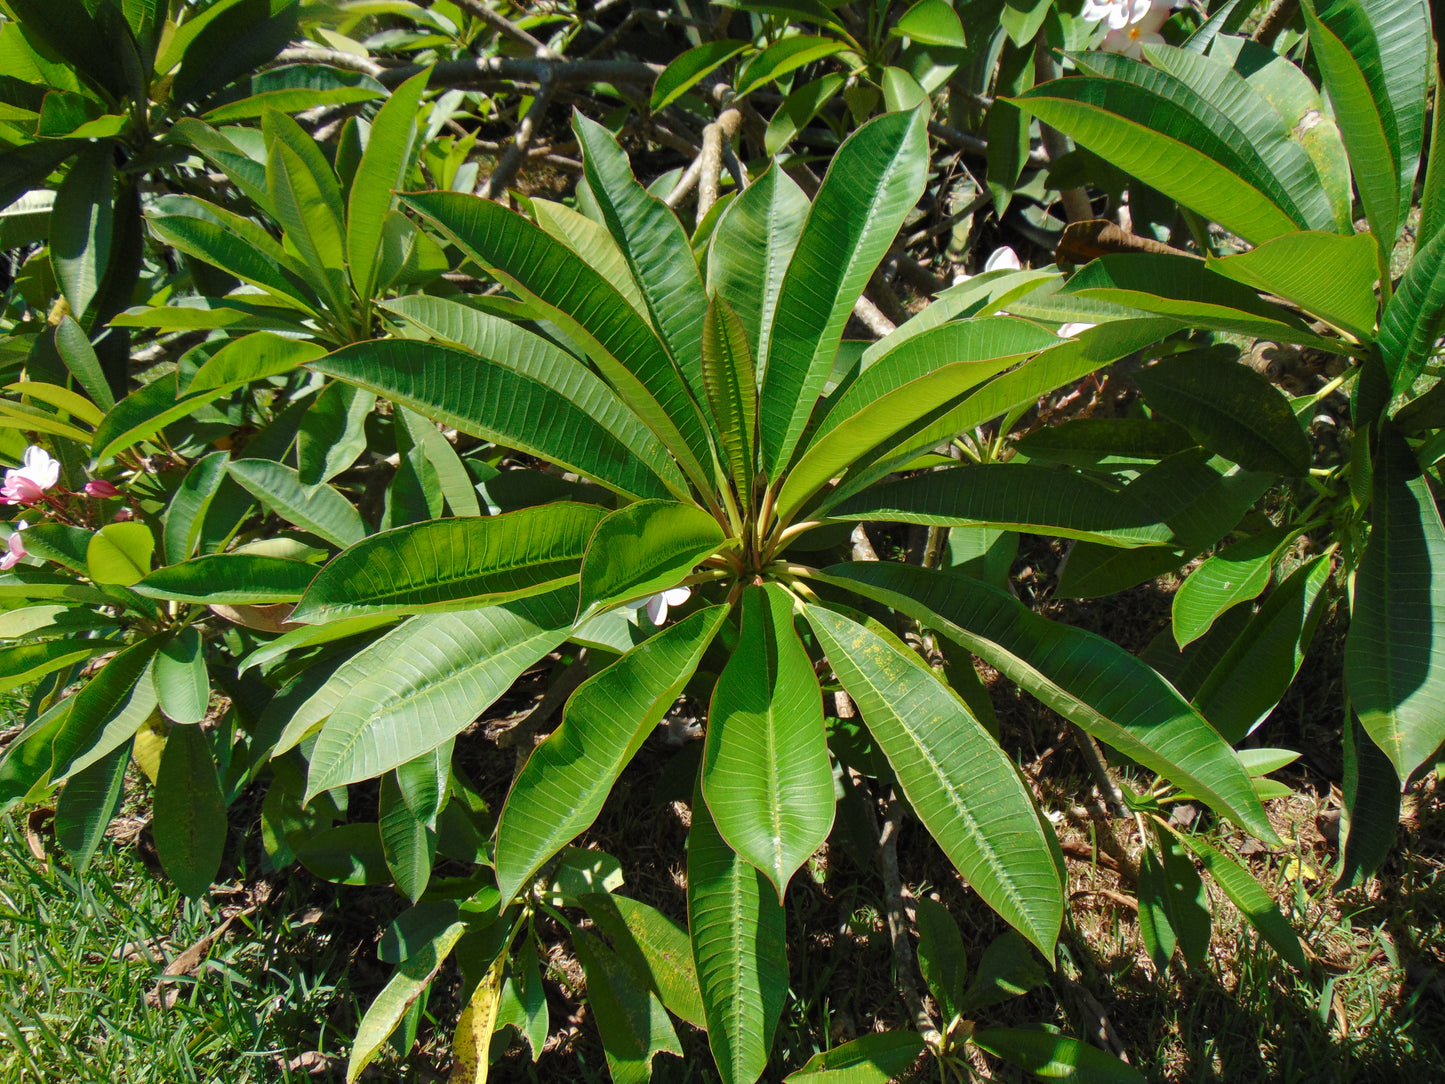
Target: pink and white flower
(657, 605)
(1132, 23)
(28, 482)
(14, 548)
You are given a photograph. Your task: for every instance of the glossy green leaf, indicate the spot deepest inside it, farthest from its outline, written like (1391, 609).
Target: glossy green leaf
(347, 854)
(593, 243)
(1413, 320)
(1254, 903)
(1370, 812)
(785, 55)
(941, 956)
(1231, 576)
(87, 804)
(1374, 56)
(1185, 148)
(738, 943)
(333, 432)
(873, 182)
(62, 399)
(80, 231)
(306, 197)
(1327, 275)
(26, 663)
(120, 553)
(876, 1058)
(1084, 677)
(230, 579)
(321, 510)
(644, 548)
(1055, 1057)
(751, 249)
(256, 356)
(383, 168)
(690, 68)
(797, 111)
(106, 712)
(1229, 408)
(654, 946)
(183, 688)
(454, 564)
(630, 1017)
(410, 980)
(656, 247)
(765, 767)
(425, 682)
(963, 787)
(1008, 968)
(732, 393)
(589, 310)
(1155, 930)
(922, 375)
(1394, 658)
(406, 841)
(513, 394)
(560, 790)
(190, 812)
(79, 357)
(1015, 496)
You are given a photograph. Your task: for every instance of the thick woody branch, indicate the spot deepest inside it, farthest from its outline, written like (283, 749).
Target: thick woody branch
(1056, 144)
(714, 137)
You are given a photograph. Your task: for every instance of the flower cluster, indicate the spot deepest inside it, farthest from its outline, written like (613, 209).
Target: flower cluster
(1132, 23)
(30, 483)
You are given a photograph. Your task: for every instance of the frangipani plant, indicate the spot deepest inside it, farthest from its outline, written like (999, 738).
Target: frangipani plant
(729, 430)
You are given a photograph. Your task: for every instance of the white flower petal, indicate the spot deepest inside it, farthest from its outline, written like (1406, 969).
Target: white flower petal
(1068, 331)
(676, 596)
(1003, 258)
(657, 609)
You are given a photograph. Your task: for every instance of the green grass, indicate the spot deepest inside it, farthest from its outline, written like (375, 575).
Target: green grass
(80, 959)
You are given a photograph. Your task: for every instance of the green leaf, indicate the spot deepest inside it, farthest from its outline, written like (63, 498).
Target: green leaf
(106, 712)
(783, 56)
(1415, 316)
(1229, 408)
(454, 564)
(1055, 1057)
(1185, 148)
(382, 169)
(183, 688)
(1008, 968)
(511, 391)
(348, 854)
(941, 956)
(797, 111)
(904, 385)
(1186, 288)
(873, 182)
(738, 943)
(751, 249)
(656, 247)
(1231, 576)
(655, 947)
(591, 312)
(1155, 929)
(560, 790)
(1258, 908)
(333, 432)
(1370, 812)
(306, 197)
(1394, 662)
(120, 553)
(79, 357)
(633, 1024)
(765, 767)
(256, 356)
(963, 787)
(1186, 903)
(80, 225)
(644, 548)
(1330, 276)
(190, 812)
(26, 663)
(1374, 56)
(1109, 443)
(1012, 496)
(684, 73)
(593, 243)
(321, 510)
(141, 415)
(1263, 659)
(406, 841)
(87, 804)
(1084, 677)
(931, 22)
(425, 682)
(732, 393)
(876, 1058)
(408, 983)
(229, 579)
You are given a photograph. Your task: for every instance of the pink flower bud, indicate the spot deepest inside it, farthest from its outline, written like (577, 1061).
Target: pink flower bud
(99, 487)
(123, 515)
